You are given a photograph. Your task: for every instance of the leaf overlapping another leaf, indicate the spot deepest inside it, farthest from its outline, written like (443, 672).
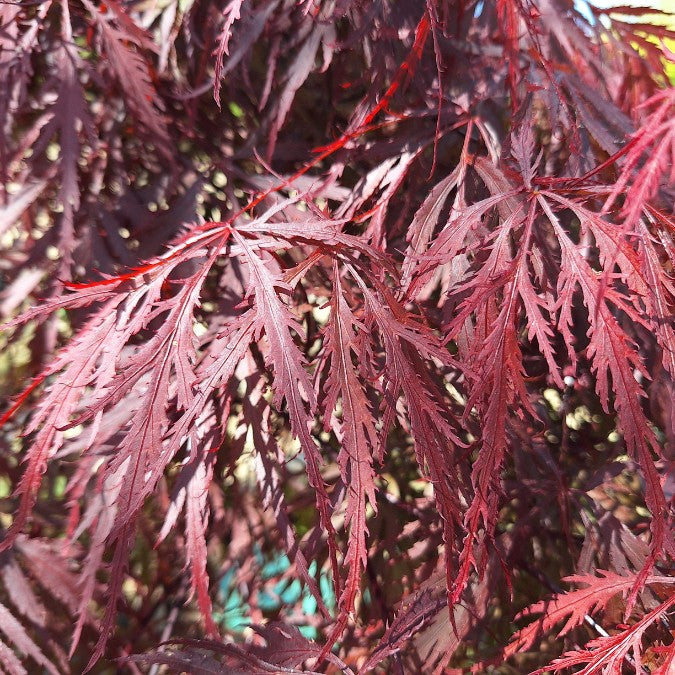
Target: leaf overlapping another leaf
(358, 364)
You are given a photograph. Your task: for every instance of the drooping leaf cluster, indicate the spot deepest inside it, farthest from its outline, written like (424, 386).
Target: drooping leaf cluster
(347, 324)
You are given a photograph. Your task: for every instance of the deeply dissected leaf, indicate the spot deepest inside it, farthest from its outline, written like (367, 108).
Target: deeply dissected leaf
(574, 606)
(353, 361)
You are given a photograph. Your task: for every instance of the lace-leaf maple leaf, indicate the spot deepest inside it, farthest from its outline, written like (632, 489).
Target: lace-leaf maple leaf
(573, 606)
(607, 654)
(359, 436)
(133, 73)
(341, 392)
(611, 352)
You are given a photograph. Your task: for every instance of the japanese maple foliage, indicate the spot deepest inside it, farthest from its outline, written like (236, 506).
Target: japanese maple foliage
(337, 334)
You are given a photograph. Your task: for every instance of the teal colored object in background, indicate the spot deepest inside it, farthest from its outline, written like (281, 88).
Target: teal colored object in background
(274, 594)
